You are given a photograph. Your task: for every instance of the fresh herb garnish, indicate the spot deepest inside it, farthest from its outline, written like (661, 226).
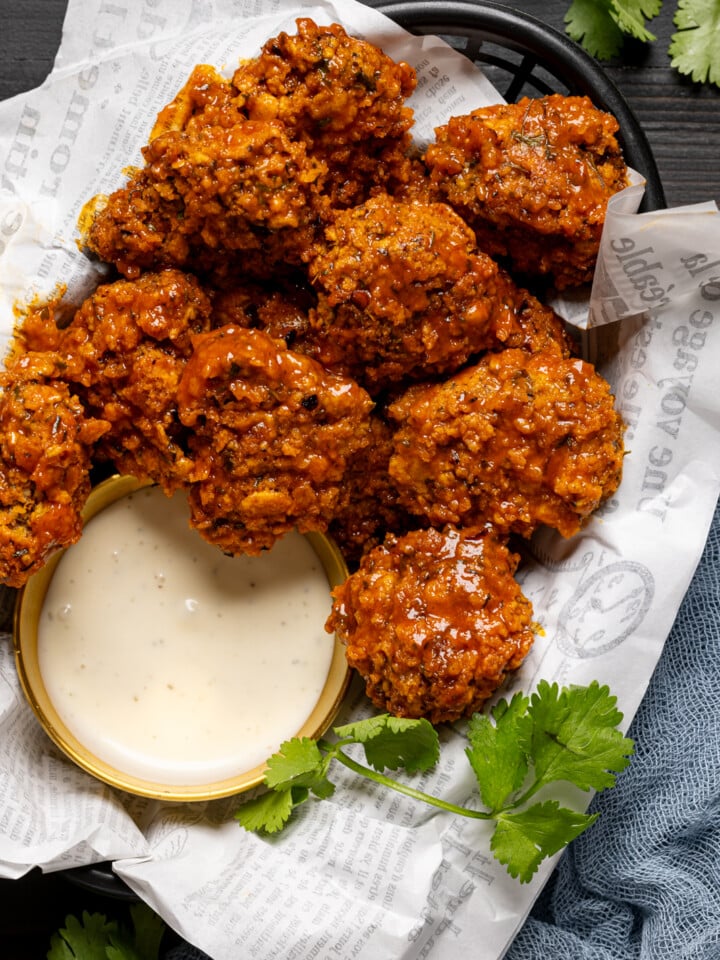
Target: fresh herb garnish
(601, 27)
(97, 938)
(524, 745)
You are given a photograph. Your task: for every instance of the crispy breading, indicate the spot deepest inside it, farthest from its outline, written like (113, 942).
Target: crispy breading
(340, 95)
(368, 505)
(125, 351)
(247, 191)
(528, 323)
(45, 457)
(402, 291)
(533, 180)
(281, 309)
(517, 441)
(271, 433)
(433, 621)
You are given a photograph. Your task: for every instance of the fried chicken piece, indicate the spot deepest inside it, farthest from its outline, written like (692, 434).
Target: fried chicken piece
(529, 324)
(434, 621)
(39, 331)
(281, 309)
(340, 95)
(517, 441)
(247, 193)
(532, 179)
(368, 505)
(206, 99)
(239, 176)
(327, 87)
(46, 441)
(403, 291)
(126, 350)
(271, 433)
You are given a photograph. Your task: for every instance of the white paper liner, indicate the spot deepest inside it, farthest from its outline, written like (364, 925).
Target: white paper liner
(368, 873)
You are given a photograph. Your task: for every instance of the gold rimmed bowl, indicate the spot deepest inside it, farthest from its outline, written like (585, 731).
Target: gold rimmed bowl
(167, 669)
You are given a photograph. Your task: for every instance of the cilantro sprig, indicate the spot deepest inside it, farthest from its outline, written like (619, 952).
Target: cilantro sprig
(601, 27)
(94, 937)
(520, 748)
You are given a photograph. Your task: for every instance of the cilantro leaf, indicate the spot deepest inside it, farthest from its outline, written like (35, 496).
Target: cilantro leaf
(149, 929)
(299, 762)
(695, 47)
(268, 812)
(521, 747)
(522, 840)
(120, 948)
(590, 23)
(392, 742)
(82, 941)
(97, 938)
(601, 26)
(496, 751)
(630, 16)
(574, 736)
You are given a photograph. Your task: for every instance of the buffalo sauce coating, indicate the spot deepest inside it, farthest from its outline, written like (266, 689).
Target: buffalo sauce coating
(403, 290)
(271, 433)
(533, 180)
(45, 442)
(433, 621)
(518, 440)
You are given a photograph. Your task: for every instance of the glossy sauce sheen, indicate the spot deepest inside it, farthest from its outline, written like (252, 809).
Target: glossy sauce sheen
(176, 663)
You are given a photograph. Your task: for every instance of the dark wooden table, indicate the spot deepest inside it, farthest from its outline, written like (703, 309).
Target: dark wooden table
(681, 118)
(682, 123)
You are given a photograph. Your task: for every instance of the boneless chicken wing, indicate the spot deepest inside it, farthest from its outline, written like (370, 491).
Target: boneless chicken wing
(239, 176)
(340, 95)
(529, 324)
(402, 291)
(271, 432)
(368, 506)
(45, 454)
(517, 441)
(433, 621)
(125, 351)
(533, 180)
(247, 191)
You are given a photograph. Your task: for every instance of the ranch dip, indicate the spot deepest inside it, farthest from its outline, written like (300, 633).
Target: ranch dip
(173, 662)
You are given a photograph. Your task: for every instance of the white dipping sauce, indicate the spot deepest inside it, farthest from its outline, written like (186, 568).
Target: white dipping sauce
(173, 662)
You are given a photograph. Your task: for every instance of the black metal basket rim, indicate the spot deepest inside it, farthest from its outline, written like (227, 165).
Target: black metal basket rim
(547, 47)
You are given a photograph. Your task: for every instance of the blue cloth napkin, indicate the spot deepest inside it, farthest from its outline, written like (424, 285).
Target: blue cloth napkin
(644, 882)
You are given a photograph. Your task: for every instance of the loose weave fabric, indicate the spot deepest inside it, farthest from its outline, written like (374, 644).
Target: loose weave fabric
(644, 882)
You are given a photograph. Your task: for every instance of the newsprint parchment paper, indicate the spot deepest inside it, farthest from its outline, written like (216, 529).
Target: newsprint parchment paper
(367, 874)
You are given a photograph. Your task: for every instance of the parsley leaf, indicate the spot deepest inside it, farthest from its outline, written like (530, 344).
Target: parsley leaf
(149, 930)
(268, 812)
(519, 748)
(695, 47)
(299, 762)
(630, 16)
(84, 941)
(522, 840)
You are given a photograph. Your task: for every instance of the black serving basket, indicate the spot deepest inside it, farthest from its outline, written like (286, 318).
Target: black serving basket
(521, 56)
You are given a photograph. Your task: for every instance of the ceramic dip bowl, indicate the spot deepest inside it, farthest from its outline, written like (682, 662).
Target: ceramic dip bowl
(168, 669)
